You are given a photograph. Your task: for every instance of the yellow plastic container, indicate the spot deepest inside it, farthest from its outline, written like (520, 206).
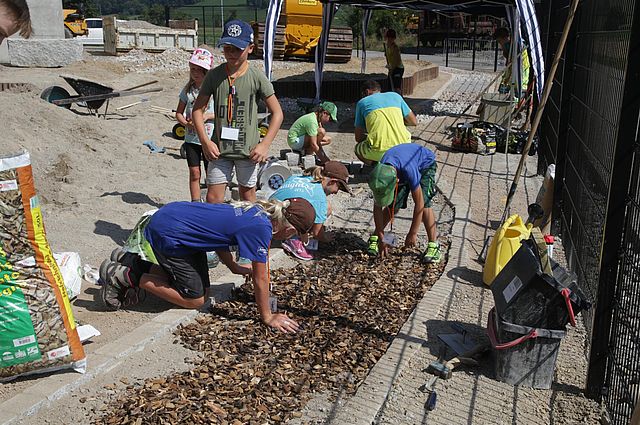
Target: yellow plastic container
(505, 243)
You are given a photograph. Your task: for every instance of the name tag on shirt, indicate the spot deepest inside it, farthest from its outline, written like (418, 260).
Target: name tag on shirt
(273, 303)
(230, 133)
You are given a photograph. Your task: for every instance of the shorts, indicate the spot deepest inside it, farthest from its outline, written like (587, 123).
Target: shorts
(188, 275)
(221, 171)
(364, 150)
(395, 75)
(428, 185)
(195, 155)
(298, 144)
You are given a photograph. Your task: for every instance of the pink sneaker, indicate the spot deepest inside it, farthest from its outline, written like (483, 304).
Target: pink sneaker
(297, 249)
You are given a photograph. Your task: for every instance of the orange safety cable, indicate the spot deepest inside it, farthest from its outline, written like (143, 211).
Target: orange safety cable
(232, 90)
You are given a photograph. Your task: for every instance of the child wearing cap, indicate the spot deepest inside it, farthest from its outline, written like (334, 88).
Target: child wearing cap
(394, 61)
(169, 257)
(403, 169)
(314, 186)
(236, 89)
(307, 133)
(200, 62)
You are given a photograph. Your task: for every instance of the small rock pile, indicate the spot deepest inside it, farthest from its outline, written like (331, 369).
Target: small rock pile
(350, 307)
(461, 91)
(169, 61)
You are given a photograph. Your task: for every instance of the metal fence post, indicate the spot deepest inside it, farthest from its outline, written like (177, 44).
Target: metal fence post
(473, 50)
(418, 38)
(495, 59)
(446, 48)
(204, 26)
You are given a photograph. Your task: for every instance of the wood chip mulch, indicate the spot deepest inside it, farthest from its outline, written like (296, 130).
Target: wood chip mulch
(350, 306)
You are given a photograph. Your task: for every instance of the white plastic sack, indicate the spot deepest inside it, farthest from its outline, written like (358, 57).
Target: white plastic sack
(70, 268)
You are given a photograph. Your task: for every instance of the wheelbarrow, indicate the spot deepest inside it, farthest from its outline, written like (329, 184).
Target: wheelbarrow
(91, 94)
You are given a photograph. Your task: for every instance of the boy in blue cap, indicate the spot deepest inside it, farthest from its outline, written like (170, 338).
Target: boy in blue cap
(236, 88)
(402, 169)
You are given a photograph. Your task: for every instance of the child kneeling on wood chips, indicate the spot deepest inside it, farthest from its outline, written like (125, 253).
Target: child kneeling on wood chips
(167, 252)
(402, 169)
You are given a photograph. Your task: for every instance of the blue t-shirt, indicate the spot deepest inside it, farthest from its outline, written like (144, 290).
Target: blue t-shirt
(182, 228)
(409, 160)
(305, 188)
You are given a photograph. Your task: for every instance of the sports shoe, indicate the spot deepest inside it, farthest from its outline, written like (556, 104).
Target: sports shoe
(372, 248)
(296, 248)
(432, 253)
(118, 280)
(117, 254)
(103, 271)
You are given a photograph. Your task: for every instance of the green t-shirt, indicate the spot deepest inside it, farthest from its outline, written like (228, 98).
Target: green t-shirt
(249, 88)
(305, 125)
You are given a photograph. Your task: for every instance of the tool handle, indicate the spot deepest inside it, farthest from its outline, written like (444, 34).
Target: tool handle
(431, 401)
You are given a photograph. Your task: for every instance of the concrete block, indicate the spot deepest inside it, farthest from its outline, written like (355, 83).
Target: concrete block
(283, 153)
(308, 161)
(355, 167)
(293, 159)
(44, 53)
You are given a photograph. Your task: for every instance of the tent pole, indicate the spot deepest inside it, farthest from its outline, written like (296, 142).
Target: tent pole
(545, 96)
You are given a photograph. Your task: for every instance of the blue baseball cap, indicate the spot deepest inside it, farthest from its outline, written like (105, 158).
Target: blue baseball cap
(237, 33)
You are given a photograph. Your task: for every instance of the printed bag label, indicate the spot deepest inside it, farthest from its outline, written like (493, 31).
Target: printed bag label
(18, 342)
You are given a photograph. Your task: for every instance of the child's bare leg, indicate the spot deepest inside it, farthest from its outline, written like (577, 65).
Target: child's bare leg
(194, 183)
(315, 148)
(247, 193)
(157, 282)
(429, 221)
(215, 193)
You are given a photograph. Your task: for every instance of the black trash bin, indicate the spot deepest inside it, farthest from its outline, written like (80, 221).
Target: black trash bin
(525, 356)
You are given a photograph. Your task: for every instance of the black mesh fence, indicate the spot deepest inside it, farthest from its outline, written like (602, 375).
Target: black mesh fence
(211, 19)
(589, 131)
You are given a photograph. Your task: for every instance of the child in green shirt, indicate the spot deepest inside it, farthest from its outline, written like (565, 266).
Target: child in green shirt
(307, 135)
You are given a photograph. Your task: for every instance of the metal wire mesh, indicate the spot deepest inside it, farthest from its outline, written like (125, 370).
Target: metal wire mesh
(580, 133)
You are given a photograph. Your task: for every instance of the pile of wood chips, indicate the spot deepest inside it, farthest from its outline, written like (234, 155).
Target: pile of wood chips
(350, 306)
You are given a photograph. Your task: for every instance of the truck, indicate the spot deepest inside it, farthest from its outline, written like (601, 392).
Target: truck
(74, 24)
(298, 33)
(122, 36)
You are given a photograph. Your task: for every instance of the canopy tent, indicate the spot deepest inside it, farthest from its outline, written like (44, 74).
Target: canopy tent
(519, 11)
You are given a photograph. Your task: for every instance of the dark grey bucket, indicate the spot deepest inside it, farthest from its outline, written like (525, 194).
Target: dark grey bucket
(525, 356)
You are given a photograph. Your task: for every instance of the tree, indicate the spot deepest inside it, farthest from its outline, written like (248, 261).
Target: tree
(86, 7)
(155, 15)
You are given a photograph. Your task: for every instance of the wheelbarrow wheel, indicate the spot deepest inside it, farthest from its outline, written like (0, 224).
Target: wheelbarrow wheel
(183, 151)
(179, 131)
(56, 93)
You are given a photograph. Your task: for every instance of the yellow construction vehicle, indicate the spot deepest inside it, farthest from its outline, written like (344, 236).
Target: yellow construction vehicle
(298, 33)
(74, 23)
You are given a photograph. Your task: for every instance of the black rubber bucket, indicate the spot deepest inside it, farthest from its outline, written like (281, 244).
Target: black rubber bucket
(526, 296)
(525, 356)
